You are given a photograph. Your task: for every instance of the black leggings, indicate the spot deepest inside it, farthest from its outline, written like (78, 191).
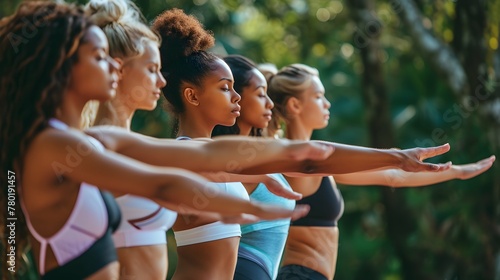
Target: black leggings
(249, 270)
(298, 272)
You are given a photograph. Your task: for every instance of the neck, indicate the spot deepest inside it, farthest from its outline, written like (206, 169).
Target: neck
(124, 110)
(296, 131)
(115, 112)
(193, 128)
(244, 128)
(70, 111)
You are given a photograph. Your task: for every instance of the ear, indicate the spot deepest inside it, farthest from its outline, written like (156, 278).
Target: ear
(293, 106)
(190, 96)
(120, 70)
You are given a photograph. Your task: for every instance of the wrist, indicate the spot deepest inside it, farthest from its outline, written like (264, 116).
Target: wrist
(397, 158)
(455, 172)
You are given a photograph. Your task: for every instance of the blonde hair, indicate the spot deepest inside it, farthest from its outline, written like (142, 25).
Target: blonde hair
(127, 34)
(124, 26)
(289, 81)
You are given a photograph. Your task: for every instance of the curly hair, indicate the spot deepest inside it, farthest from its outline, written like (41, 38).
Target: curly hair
(38, 43)
(241, 67)
(183, 53)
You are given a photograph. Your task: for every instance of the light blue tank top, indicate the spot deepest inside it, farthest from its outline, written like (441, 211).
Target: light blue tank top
(263, 242)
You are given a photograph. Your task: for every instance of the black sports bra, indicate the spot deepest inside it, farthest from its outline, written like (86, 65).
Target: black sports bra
(326, 205)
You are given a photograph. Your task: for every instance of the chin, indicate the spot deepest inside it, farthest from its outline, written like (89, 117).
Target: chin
(231, 123)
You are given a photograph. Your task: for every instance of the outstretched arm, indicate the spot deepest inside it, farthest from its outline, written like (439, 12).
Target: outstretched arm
(227, 153)
(173, 188)
(400, 178)
(247, 155)
(349, 159)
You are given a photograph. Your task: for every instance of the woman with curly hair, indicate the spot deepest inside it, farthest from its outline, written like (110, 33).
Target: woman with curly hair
(200, 94)
(66, 218)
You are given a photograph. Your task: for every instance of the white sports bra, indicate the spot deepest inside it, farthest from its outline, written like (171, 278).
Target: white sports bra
(84, 241)
(144, 222)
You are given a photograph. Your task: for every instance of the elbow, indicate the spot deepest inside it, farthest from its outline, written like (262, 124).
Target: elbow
(309, 167)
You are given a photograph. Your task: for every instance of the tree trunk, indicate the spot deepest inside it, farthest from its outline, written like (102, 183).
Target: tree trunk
(478, 94)
(399, 219)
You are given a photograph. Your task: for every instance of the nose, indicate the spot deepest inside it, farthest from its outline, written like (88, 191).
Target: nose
(327, 103)
(235, 97)
(161, 82)
(113, 64)
(269, 103)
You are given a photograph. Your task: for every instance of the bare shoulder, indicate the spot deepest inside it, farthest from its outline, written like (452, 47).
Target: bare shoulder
(55, 150)
(53, 144)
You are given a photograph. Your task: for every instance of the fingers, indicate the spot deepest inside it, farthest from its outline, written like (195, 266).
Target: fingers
(433, 151)
(280, 190)
(433, 167)
(485, 161)
(300, 211)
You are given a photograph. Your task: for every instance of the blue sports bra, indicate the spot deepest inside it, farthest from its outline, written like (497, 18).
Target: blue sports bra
(327, 206)
(84, 243)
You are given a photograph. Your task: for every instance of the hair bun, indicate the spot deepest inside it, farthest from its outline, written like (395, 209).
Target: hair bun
(183, 34)
(104, 12)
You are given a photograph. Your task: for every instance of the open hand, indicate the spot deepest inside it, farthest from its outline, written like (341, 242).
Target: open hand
(412, 159)
(467, 171)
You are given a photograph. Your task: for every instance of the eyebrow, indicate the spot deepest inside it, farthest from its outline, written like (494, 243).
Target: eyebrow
(96, 48)
(226, 79)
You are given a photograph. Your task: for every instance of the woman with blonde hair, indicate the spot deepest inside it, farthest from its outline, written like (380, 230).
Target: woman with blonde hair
(301, 106)
(54, 168)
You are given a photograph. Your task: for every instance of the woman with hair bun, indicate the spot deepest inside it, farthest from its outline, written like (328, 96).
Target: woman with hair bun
(60, 175)
(55, 171)
(141, 237)
(301, 105)
(200, 95)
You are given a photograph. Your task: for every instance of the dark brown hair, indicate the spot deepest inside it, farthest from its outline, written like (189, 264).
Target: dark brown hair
(38, 44)
(183, 53)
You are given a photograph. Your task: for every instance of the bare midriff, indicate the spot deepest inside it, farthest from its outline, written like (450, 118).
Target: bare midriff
(312, 247)
(143, 262)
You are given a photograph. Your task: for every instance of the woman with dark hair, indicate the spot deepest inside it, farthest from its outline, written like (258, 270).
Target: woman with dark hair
(261, 243)
(200, 94)
(301, 107)
(46, 80)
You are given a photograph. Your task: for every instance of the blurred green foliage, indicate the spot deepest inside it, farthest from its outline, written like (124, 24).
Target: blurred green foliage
(456, 224)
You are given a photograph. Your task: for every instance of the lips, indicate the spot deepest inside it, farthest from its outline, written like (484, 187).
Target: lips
(236, 111)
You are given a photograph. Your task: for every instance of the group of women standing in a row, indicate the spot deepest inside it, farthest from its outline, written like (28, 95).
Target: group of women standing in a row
(106, 52)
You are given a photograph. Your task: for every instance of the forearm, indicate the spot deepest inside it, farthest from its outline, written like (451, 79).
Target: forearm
(228, 154)
(348, 158)
(396, 178)
(345, 159)
(230, 177)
